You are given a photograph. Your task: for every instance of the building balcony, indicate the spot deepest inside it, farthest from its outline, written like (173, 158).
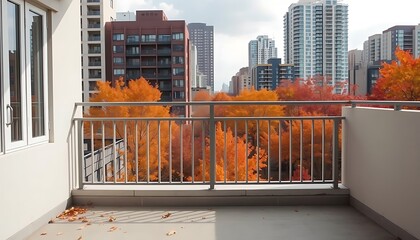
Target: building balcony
(94, 25)
(94, 13)
(215, 176)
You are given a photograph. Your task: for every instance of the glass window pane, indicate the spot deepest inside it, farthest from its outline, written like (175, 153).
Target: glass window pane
(37, 74)
(14, 49)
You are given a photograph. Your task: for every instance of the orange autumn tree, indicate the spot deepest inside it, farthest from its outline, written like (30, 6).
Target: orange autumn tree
(312, 89)
(400, 80)
(146, 132)
(238, 161)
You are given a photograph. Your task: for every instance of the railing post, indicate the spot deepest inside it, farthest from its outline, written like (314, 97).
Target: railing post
(80, 160)
(212, 129)
(335, 154)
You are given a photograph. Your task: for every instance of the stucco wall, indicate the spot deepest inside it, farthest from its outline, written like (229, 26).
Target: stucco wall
(382, 163)
(35, 180)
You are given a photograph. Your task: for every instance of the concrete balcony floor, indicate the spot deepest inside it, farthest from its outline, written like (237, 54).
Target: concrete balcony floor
(211, 223)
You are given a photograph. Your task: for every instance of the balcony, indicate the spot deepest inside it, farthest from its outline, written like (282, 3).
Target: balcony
(214, 176)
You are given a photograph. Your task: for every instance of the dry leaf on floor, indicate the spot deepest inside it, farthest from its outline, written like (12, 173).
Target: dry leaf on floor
(51, 221)
(59, 233)
(170, 233)
(101, 215)
(112, 219)
(166, 215)
(43, 234)
(112, 229)
(80, 238)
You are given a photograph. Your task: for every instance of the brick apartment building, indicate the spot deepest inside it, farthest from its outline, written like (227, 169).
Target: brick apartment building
(152, 47)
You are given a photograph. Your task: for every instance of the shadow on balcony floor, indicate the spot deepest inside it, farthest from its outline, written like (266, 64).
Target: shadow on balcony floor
(285, 222)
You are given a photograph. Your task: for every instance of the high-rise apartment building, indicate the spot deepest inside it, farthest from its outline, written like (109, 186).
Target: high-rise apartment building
(152, 47)
(260, 50)
(316, 40)
(374, 48)
(241, 81)
(93, 16)
(269, 76)
(401, 36)
(202, 36)
(416, 41)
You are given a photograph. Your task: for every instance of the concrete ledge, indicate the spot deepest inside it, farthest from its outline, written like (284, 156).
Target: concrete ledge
(381, 220)
(272, 195)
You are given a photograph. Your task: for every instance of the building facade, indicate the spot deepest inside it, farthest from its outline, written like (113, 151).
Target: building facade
(260, 50)
(316, 40)
(401, 36)
(269, 76)
(152, 47)
(93, 16)
(202, 36)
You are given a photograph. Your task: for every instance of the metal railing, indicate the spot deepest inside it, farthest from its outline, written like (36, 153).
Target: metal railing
(251, 146)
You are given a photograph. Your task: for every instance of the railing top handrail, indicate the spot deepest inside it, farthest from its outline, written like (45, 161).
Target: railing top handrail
(175, 118)
(284, 103)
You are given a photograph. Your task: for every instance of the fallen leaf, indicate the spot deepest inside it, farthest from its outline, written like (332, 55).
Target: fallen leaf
(111, 219)
(43, 234)
(81, 228)
(101, 215)
(112, 229)
(87, 224)
(80, 238)
(170, 233)
(72, 219)
(59, 233)
(166, 215)
(51, 221)
(85, 220)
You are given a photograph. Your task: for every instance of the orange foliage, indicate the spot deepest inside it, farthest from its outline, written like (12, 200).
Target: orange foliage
(399, 80)
(239, 161)
(148, 141)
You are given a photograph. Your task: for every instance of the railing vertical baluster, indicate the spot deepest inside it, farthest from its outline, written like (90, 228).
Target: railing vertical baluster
(236, 151)
(192, 152)
(212, 148)
(81, 159)
(323, 150)
(114, 147)
(246, 151)
(137, 151)
(103, 153)
(301, 150)
(159, 154)
(280, 131)
(92, 150)
(203, 147)
(170, 152)
(290, 149)
(335, 154)
(225, 152)
(147, 150)
(258, 151)
(125, 151)
(181, 157)
(312, 150)
(269, 152)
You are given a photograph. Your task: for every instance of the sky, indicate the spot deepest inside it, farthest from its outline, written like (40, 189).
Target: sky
(236, 22)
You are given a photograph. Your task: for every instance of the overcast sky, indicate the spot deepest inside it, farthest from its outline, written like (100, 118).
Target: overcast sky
(236, 22)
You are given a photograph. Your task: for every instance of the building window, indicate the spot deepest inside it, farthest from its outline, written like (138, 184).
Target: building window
(178, 71)
(148, 38)
(118, 49)
(133, 39)
(179, 95)
(178, 60)
(178, 36)
(119, 71)
(118, 37)
(24, 75)
(118, 60)
(164, 38)
(178, 83)
(178, 48)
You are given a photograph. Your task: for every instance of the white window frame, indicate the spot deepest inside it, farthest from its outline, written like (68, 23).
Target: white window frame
(25, 75)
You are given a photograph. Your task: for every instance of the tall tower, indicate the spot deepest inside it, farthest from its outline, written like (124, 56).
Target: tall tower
(316, 33)
(93, 15)
(202, 36)
(260, 50)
